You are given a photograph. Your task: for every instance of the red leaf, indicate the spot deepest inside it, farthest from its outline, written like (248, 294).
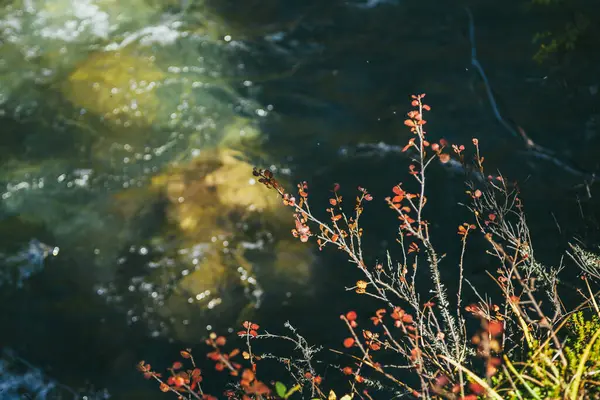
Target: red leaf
(220, 341)
(351, 315)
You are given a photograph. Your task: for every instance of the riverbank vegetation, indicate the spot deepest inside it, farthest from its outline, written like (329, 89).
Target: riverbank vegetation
(431, 333)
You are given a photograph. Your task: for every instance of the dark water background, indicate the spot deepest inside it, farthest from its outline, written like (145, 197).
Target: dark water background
(93, 235)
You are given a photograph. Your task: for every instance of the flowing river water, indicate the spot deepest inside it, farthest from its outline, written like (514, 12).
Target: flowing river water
(130, 224)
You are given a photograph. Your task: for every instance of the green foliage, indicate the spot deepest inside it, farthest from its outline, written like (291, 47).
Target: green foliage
(280, 389)
(577, 25)
(544, 376)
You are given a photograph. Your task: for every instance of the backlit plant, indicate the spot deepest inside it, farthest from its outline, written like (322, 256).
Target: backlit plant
(527, 347)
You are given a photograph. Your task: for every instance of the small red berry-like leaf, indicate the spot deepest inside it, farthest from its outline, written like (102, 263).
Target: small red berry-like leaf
(177, 365)
(336, 187)
(495, 328)
(444, 158)
(426, 107)
(413, 248)
(347, 370)
(349, 342)
(351, 315)
(414, 354)
(178, 381)
(411, 142)
(368, 197)
(441, 381)
(220, 341)
(476, 388)
(478, 193)
(185, 354)
(333, 202)
(219, 367)
(141, 366)
(409, 122)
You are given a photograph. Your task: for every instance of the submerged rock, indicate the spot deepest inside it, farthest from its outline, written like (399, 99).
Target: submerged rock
(116, 85)
(226, 246)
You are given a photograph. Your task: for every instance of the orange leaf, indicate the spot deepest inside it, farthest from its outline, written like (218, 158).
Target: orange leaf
(351, 315)
(220, 341)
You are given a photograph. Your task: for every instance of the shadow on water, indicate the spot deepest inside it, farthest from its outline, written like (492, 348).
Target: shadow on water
(129, 135)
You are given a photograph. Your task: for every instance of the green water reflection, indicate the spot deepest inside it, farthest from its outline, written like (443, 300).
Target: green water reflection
(129, 132)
